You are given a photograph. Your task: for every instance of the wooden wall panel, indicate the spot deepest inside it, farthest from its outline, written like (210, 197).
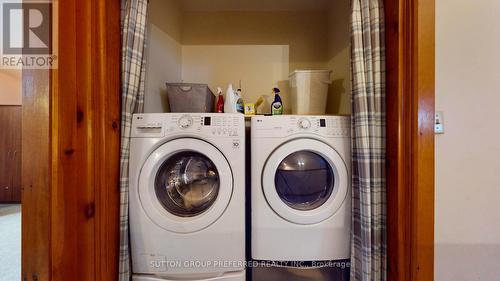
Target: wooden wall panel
(72, 191)
(86, 111)
(10, 153)
(73, 215)
(17, 155)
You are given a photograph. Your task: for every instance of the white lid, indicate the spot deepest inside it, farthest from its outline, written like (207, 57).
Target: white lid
(310, 71)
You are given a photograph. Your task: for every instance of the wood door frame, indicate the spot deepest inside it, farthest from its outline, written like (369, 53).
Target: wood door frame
(410, 80)
(71, 141)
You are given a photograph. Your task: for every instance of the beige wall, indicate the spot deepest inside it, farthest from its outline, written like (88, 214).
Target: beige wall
(254, 5)
(314, 40)
(304, 32)
(339, 48)
(167, 16)
(164, 64)
(10, 87)
(468, 153)
(164, 53)
(10, 79)
(259, 67)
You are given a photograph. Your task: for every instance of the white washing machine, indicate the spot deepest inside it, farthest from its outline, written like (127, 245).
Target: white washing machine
(301, 199)
(187, 197)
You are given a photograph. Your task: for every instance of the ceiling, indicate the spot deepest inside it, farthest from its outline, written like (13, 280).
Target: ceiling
(254, 5)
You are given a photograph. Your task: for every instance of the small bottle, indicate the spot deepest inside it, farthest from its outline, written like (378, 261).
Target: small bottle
(277, 105)
(220, 101)
(240, 106)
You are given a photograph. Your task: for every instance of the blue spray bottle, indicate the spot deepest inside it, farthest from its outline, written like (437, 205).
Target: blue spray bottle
(277, 105)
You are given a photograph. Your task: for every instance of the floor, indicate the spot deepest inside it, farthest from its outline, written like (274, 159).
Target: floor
(10, 242)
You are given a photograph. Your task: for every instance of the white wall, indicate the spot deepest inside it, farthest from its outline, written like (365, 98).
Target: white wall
(468, 154)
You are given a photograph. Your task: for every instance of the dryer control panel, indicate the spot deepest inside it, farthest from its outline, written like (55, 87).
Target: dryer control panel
(150, 125)
(285, 125)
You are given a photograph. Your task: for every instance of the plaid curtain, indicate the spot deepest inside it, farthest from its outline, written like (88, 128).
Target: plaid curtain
(133, 73)
(368, 245)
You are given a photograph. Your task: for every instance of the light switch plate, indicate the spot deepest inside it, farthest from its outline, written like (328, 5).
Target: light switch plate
(439, 123)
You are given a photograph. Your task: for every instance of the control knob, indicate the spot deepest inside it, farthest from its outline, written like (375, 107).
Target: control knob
(304, 124)
(185, 121)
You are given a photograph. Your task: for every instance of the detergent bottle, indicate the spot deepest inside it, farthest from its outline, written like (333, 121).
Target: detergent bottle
(230, 100)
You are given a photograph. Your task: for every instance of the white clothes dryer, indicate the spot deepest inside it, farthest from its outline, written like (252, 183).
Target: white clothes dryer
(301, 199)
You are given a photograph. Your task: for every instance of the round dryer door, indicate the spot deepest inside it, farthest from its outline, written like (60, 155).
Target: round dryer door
(185, 185)
(305, 181)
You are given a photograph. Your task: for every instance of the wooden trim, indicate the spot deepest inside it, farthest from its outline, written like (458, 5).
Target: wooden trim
(71, 129)
(35, 195)
(410, 134)
(108, 78)
(398, 261)
(422, 195)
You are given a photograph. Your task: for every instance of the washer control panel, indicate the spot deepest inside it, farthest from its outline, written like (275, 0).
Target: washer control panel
(285, 125)
(209, 124)
(220, 125)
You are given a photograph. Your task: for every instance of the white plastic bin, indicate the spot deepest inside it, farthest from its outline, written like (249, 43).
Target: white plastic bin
(309, 91)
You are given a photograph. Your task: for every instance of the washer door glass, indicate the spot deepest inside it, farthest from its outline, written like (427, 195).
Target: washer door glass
(304, 180)
(187, 184)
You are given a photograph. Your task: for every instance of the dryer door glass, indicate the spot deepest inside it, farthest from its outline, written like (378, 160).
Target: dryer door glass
(304, 180)
(187, 184)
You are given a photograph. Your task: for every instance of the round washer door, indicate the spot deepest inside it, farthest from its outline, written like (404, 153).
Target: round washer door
(305, 181)
(185, 185)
